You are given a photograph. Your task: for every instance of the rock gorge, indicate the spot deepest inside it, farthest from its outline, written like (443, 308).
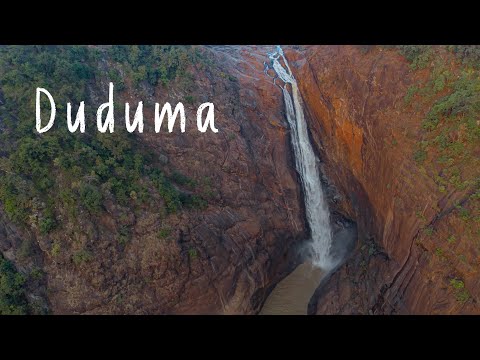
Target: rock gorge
(226, 257)
(366, 136)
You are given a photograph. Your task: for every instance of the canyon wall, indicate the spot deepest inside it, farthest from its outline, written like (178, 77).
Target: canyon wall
(415, 254)
(418, 251)
(222, 259)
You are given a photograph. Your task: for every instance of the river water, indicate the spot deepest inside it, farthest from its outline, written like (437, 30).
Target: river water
(292, 295)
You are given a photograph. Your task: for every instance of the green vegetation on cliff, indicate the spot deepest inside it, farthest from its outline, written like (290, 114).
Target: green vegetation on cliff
(154, 63)
(57, 180)
(12, 295)
(42, 175)
(418, 55)
(448, 145)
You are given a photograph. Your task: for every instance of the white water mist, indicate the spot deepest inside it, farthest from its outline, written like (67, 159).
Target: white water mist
(317, 212)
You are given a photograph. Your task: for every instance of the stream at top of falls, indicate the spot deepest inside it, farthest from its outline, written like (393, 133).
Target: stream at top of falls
(292, 295)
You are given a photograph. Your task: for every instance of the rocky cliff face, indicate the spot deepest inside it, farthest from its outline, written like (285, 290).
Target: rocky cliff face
(418, 248)
(222, 259)
(417, 253)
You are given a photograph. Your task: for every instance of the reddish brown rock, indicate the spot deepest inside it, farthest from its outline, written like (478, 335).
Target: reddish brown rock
(220, 260)
(366, 136)
(226, 258)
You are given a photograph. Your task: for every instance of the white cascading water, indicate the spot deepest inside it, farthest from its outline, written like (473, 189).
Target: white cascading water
(317, 212)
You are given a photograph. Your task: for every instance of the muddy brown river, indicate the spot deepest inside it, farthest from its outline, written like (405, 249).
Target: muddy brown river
(292, 295)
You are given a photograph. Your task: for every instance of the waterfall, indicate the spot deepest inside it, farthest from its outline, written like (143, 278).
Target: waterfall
(316, 208)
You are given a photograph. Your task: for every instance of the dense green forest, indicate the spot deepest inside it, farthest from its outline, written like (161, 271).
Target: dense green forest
(12, 295)
(42, 173)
